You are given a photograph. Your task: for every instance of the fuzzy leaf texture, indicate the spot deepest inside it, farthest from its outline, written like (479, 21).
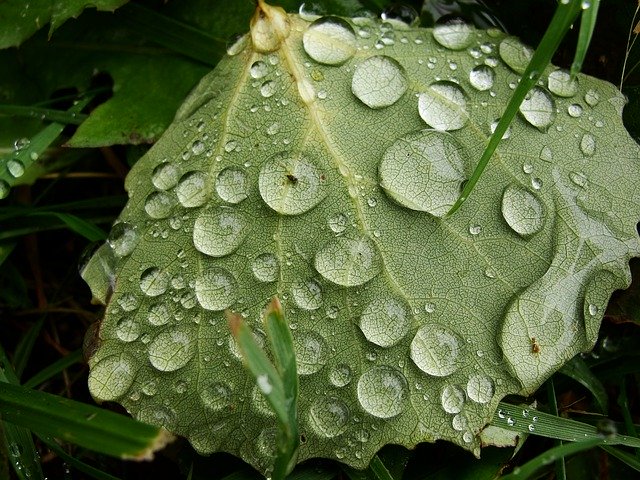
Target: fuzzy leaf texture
(317, 163)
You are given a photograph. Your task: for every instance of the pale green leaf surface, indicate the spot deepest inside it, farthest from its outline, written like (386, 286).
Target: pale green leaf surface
(276, 179)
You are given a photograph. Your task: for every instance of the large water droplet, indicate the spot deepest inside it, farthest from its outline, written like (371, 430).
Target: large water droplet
(111, 377)
(154, 281)
(330, 40)
(452, 399)
(268, 88)
(385, 321)
(311, 351)
(236, 44)
(165, 176)
(481, 77)
(329, 416)
(383, 392)
(424, 171)
(191, 189)
(379, 81)
(348, 261)
(219, 231)
(159, 204)
(436, 350)
(538, 108)
(291, 183)
(128, 329)
(340, 375)
(515, 54)
(171, 350)
(258, 69)
(15, 167)
(480, 388)
(588, 144)
(216, 396)
(123, 239)
(158, 314)
(522, 210)
(265, 267)
(561, 83)
(307, 294)
(216, 289)
(455, 33)
(232, 185)
(443, 106)
(400, 16)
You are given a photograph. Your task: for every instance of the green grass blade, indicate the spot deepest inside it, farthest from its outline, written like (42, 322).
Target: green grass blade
(578, 370)
(24, 348)
(587, 25)
(82, 227)
(561, 466)
(561, 22)
(378, 469)
(53, 369)
(623, 403)
(532, 466)
(173, 34)
(74, 462)
(45, 114)
(627, 458)
(515, 418)
(313, 472)
(84, 425)
(5, 250)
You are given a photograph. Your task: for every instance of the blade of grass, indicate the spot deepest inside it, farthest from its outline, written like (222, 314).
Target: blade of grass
(88, 230)
(560, 466)
(556, 453)
(24, 347)
(5, 250)
(45, 114)
(623, 456)
(623, 403)
(313, 472)
(26, 225)
(578, 370)
(552, 426)
(378, 469)
(587, 25)
(53, 369)
(84, 425)
(561, 22)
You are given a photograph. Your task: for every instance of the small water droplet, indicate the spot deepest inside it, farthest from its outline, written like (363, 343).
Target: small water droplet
(379, 81)
(561, 83)
(219, 231)
(383, 392)
(515, 54)
(165, 176)
(191, 189)
(574, 110)
(522, 210)
(338, 223)
(171, 350)
(475, 229)
(111, 377)
(454, 33)
(258, 69)
(593, 309)
(216, 289)
(531, 427)
(197, 147)
(385, 321)
(536, 183)
(329, 416)
(307, 295)
(592, 98)
(158, 314)
(311, 351)
(480, 388)
(443, 106)
(588, 144)
(436, 350)
(429, 307)
(510, 421)
(265, 267)
(159, 205)
(15, 167)
(348, 261)
(481, 77)
(459, 422)
(527, 168)
(538, 108)
(578, 178)
(268, 88)
(127, 329)
(154, 281)
(546, 154)
(452, 399)
(330, 40)
(232, 185)
(122, 239)
(340, 375)
(216, 396)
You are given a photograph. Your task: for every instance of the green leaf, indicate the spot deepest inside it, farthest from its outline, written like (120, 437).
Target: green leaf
(19, 19)
(317, 164)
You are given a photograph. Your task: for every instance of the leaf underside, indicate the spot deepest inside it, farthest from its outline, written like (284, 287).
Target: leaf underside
(321, 173)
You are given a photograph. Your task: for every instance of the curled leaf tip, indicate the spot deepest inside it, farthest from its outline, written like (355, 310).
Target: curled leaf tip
(270, 26)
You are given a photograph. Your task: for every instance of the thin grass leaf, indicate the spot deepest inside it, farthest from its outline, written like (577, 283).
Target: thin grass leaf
(378, 469)
(561, 466)
(173, 34)
(88, 230)
(245, 474)
(561, 22)
(55, 368)
(623, 456)
(587, 25)
(578, 370)
(24, 348)
(74, 462)
(623, 403)
(532, 466)
(5, 250)
(515, 418)
(313, 472)
(51, 221)
(84, 425)
(44, 114)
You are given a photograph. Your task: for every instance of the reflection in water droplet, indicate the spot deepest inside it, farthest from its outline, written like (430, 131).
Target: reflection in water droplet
(383, 392)
(515, 54)
(574, 110)
(128, 329)
(154, 281)
(159, 204)
(268, 88)
(591, 98)
(15, 167)
(329, 416)
(311, 351)
(338, 223)
(481, 77)
(480, 388)
(494, 125)
(538, 108)
(191, 191)
(588, 144)
(165, 176)
(578, 178)
(111, 377)
(291, 183)
(546, 154)
(171, 350)
(385, 321)
(424, 171)
(379, 81)
(459, 422)
(219, 231)
(452, 399)
(215, 396)
(436, 350)
(340, 375)
(4, 189)
(158, 314)
(216, 289)
(330, 40)
(265, 267)
(561, 83)
(454, 34)
(522, 210)
(232, 185)
(307, 295)
(443, 106)
(258, 69)
(123, 239)
(348, 261)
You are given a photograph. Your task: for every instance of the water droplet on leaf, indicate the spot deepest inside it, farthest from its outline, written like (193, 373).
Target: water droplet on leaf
(265, 267)
(385, 321)
(219, 231)
(232, 185)
(480, 388)
(515, 54)
(154, 281)
(452, 399)
(379, 81)
(329, 416)
(348, 261)
(216, 289)
(561, 83)
(311, 351)
(436, 350)
(481, 77)
(443, 106)
(538, 108)
(454, 34)
(522, 210)
(330, 40)
(383, 392)
(111, 377)
(191, 190)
